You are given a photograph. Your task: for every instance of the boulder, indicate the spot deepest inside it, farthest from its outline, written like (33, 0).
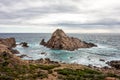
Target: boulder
(9, 42)
(60, 40)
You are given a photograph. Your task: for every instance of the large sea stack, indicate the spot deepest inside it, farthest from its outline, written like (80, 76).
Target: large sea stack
(60, 40)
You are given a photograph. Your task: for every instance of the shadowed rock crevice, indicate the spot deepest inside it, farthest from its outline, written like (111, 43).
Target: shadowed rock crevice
(60, 40)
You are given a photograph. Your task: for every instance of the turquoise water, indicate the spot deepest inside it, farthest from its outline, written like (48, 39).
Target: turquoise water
(108, 48)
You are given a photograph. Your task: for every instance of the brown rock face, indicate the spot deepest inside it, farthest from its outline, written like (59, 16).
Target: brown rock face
(114, 64)
(9, 42)
(60, 40)
(7, 57)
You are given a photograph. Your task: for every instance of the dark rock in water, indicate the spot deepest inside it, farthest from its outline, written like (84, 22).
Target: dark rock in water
(24, 44)
(60, 40)
(102, 60)
(114, 64)
(9, 42)
(43, 42)
(22, 56)
(71, 57)
(43, 53)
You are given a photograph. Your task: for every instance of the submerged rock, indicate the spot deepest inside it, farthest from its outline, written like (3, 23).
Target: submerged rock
(43, 53)
(60, 40)
(102, 60)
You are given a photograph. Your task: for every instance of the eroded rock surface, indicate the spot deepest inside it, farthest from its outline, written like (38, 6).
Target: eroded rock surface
(60, 40)
(9, 42)
(114, 64)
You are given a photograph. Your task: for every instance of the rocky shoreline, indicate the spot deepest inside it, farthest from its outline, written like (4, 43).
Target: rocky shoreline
(13, 67)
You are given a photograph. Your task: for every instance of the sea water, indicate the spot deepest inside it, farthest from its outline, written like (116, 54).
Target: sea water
(108, 48)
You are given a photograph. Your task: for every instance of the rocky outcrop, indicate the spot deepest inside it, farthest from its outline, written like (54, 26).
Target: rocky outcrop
(43, 42)
(9, 42)
(24, 44)
(43, 61)
(3, 48)
(8, 58)
(114, 64)
(6, 53)
(60, 40)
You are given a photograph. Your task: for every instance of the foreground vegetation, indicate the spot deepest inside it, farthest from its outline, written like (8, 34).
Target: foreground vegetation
(85, 74)
(13, 68)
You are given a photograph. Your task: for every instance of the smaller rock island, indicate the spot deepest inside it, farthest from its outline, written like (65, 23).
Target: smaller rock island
(61, 41)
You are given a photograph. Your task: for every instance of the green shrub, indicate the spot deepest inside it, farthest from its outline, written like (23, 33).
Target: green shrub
(6, 78)
(113, 75)
(5, 63)
(86, 74)
(48, 67)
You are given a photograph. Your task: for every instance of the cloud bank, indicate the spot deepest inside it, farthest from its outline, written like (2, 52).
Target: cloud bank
(74, 16)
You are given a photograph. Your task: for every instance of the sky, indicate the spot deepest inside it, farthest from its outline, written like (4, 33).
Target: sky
(73, 16)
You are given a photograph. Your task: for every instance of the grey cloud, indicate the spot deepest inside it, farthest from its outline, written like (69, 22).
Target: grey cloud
(23, 14)
(32, 12)
(105, 23)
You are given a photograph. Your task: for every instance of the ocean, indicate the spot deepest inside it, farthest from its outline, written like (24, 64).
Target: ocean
(108, 48)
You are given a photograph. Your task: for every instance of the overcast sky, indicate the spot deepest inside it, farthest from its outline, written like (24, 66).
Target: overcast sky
(74, 16)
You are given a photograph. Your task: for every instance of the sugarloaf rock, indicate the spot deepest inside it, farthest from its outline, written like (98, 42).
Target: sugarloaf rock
(59, 40)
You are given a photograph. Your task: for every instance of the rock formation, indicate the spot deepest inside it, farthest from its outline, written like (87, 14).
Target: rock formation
(60, 40)
(9, 42)
(8, 58)
(24, 44)
(114, 64)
